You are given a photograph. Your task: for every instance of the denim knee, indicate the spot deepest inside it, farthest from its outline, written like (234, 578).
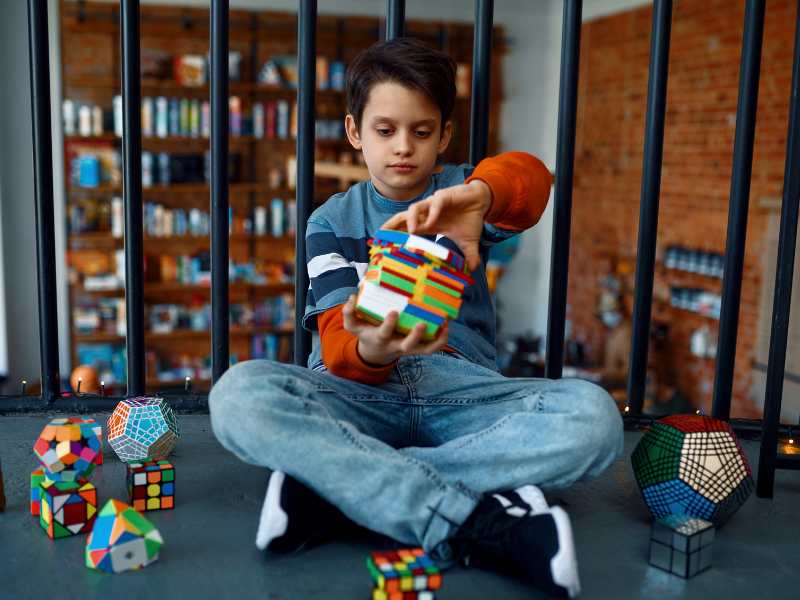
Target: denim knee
(603, 430)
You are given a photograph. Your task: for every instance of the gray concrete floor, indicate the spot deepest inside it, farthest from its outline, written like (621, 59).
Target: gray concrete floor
(209, 550)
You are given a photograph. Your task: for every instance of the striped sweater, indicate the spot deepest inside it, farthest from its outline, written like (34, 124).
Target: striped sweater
(338, 255)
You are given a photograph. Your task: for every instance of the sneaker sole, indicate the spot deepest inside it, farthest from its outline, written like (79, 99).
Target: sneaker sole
(564, 565)
(273, 521)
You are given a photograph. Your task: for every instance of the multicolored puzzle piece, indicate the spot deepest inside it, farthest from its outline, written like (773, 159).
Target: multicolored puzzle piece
(422, 280)
(142, 429)
(151, 485)
(68, 448)
(401, 574)
(67, 507)
(122, 540)
(37, 478)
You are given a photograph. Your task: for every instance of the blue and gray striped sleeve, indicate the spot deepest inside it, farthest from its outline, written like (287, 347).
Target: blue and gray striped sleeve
(335, 267)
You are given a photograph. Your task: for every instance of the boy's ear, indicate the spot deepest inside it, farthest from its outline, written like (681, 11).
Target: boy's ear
(351, 129)
(447, 135)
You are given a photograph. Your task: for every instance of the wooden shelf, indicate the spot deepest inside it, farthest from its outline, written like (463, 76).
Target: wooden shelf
(183, 334)
(175, 188)
(154, 289)
(105, 239)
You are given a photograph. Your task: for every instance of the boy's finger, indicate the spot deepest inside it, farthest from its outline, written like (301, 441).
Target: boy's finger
(398, 221)
(413, 216)
(412, 339)
(386, 329)
(433, 214)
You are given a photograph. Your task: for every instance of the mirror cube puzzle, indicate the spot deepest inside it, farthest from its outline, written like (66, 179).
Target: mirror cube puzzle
(692, 465)
(681, 545)
(67, 507)
(68, 448)
(142, 429)
(151, 485)
(397, 573)
(422, 280)
(122, 540)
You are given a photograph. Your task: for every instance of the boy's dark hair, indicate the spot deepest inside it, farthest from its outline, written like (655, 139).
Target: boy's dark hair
(406, 61)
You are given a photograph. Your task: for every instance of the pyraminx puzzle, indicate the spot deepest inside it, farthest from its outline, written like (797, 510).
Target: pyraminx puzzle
(142, 429)
(151, 485)
(122, 540)
(67, 507)
(68, 448)
(692, 465)
(402, 571)
(422, 280)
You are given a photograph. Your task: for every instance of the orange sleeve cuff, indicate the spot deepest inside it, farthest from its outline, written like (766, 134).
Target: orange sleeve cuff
(520, 185)
(340, 351)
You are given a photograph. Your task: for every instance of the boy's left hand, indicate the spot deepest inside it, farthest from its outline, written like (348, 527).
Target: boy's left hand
(456, 212)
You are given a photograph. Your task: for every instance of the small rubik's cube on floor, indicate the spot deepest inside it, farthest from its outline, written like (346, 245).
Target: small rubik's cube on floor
(67, 507)
(68, 447)
(681, 545)
(122, 540)
(151, 485)
(403, 574)
(142, 429)
(422, 280)
(37, 478)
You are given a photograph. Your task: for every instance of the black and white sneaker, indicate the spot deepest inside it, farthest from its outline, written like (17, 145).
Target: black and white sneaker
(516, 533)
(294, 517)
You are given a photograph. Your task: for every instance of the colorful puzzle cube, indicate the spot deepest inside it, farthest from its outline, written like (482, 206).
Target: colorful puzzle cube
(37, 478)
(98, 431)
(67, 507)
(402, 571)
(151, 485)
(681, 545)
(422, 280)
(692, 465)
(67, 448)
(122, 540)
(383, 595)
(142, 429)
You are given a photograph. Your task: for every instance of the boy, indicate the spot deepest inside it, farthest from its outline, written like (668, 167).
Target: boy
(422, 441)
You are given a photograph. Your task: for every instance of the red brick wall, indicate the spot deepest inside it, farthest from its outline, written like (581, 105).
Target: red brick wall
(698, 152)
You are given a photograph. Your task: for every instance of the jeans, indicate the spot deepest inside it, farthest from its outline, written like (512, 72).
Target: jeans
(411, 458)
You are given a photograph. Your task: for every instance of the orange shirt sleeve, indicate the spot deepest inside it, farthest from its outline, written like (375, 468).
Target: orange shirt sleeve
(340, 354)
(520, 185)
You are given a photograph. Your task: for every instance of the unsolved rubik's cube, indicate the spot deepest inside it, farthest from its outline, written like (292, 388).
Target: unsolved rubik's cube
(67, 507)
(405, 573)
(142, 429)
(68, 448)
(692, 465)
(422, 280)
(151, 485)
(122, 540)
(37, 478)
(681, 545)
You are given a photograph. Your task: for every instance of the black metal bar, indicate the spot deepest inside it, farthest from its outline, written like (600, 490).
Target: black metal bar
(648, 204)
(788, 461)
(749, 73)
(481, 73)
(132, 194)
(86, 403)
(565, 159)
(396, 19)
(307, 52)
(220, 311)
(38, 48)
(782, 300)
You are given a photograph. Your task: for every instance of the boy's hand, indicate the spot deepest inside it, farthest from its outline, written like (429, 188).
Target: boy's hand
(379, 345)
(456, 212)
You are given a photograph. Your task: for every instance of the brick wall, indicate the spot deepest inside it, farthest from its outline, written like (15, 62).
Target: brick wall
(698, 152)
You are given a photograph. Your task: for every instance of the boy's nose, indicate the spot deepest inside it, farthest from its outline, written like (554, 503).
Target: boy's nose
(403, 145)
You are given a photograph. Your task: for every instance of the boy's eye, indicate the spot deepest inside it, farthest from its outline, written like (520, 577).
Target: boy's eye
(423, 133)
(384, 131)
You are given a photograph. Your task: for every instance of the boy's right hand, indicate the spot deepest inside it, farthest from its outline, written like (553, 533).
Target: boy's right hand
(380, 345)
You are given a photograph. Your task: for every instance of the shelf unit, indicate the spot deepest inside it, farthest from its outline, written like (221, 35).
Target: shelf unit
(90, 51)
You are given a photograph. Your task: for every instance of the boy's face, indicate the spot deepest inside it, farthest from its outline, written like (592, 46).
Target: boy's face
(401, 135)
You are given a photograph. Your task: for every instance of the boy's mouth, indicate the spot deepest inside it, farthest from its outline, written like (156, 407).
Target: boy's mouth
(403, 167)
